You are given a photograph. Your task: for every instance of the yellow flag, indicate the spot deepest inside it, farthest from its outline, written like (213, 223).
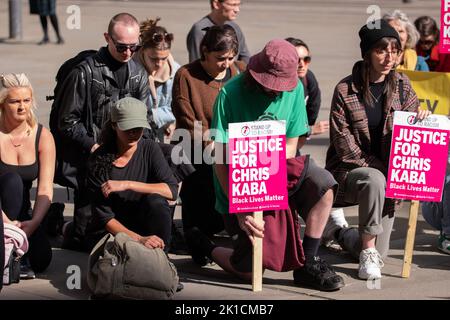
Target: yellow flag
(432, 89)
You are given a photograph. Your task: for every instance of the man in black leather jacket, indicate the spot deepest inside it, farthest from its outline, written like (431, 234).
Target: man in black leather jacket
(87, 95)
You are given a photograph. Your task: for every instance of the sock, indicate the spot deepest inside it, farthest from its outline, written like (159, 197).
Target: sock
(310, 246)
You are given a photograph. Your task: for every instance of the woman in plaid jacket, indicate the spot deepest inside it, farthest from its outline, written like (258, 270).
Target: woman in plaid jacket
(361, 119)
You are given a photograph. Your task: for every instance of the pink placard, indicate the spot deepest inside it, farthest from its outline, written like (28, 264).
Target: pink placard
(257, 166)
(418, 157)
(444, 39)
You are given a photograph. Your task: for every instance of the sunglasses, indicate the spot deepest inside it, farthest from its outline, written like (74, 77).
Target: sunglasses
(426, 42)
(159, 37)
(121, 47)
(306, 59)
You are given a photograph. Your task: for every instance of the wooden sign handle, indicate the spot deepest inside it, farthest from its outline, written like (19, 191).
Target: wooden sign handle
(257, 257)
(410, 235)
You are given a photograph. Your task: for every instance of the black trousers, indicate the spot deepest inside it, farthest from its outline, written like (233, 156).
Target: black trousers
(198, 201)
(15, 204)
(150, 216)
(2, 245)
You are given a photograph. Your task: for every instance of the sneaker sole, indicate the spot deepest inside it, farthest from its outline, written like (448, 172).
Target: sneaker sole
(318, 287)
(365, 276)
(444, 250)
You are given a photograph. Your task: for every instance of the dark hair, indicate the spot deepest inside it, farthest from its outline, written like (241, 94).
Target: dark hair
(297, 42)
(154, 36)
(101, 162)
(390, 82)
(211, 2)
(427, 27)
(125, 18)
(219, 38)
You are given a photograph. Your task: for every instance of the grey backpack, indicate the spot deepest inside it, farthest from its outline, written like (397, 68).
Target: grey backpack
(122, 268)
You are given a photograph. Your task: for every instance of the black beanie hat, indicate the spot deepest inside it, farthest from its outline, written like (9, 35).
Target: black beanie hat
(370, 36)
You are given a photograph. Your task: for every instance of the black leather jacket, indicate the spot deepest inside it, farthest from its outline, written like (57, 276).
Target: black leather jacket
(74, 118)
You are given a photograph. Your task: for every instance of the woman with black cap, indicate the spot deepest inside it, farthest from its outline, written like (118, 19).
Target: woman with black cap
(361, 120)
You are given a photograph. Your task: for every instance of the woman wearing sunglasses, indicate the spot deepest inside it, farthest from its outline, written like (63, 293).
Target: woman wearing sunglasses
(428, 45)
(310, 86)
(361, 121)
(195, 89)
(156, 58)
(409, 36)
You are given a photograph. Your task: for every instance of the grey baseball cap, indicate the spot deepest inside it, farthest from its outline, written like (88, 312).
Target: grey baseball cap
(129, 113)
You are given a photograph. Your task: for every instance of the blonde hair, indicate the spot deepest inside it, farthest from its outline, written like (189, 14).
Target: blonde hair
(411, 31)
(17, 80)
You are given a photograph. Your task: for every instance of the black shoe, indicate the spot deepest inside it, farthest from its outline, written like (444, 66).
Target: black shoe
(180, 286)
(54, 219)
(26, 272)
(318, 274)
(199, 245)
(177, 243)
(45, 40)
(60, 41)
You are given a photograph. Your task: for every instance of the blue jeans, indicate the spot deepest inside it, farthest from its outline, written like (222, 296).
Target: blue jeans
(437, 214)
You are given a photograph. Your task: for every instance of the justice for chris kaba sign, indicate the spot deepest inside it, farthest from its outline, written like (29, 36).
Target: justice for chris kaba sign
(257, 169)
(418, 157)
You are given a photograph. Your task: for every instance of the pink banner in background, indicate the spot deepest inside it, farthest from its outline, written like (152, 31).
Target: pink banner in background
(444, 39)
(418, 157)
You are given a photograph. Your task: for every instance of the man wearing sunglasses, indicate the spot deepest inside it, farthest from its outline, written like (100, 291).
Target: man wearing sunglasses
(222, 12)
(84, 103)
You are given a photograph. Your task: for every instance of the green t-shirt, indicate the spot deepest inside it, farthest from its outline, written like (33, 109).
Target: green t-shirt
(238, 103)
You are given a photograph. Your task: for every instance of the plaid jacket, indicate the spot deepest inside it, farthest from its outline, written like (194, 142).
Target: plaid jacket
(350, 145)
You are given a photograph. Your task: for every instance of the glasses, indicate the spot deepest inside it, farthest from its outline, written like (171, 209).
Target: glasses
(232, 5)
(384, 53)
(305, 59)
(121, 47)
(159, 37)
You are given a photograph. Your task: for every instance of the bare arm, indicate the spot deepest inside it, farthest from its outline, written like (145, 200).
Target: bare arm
(292, 145)
(139, 187)
(44, 194)
(113, 226)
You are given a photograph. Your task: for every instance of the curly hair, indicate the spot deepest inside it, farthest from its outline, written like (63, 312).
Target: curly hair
(154, 36)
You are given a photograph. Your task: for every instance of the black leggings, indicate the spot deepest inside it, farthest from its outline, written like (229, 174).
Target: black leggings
(151, 216)
(2, 246)
(53, 20)
(14, 206)
(198, 201)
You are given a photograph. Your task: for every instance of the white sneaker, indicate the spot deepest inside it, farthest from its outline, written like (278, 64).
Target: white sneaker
(370, 264)
(335, 221)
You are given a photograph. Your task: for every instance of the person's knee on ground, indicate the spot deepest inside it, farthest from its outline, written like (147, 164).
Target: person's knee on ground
(40, 251)
(157, 217)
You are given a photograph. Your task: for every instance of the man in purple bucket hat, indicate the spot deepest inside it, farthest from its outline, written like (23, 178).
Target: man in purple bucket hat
(269, 90)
